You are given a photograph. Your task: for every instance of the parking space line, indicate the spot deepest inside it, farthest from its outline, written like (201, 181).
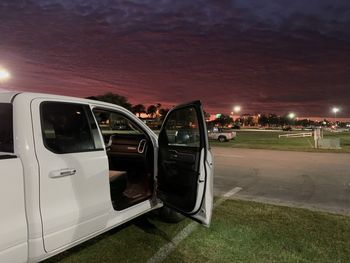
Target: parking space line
(165, 251)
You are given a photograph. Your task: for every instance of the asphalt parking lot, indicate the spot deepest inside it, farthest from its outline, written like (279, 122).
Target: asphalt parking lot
(318, 181)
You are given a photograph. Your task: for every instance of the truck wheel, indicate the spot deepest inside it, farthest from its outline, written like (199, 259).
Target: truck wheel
(170, 216)
(222, 138)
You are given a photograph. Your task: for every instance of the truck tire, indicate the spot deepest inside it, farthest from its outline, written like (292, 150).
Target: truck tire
(168, 215)
(222, 138)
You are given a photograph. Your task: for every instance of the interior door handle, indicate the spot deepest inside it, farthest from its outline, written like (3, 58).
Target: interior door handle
(181, 157)
(173, 154)
(63, 172)
(142, 146)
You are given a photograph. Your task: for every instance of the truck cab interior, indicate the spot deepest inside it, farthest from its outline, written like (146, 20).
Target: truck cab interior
(130, 156)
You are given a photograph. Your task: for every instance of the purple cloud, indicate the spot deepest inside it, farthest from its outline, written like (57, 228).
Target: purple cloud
(266, 55)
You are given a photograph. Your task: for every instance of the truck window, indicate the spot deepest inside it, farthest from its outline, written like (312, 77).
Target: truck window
(182, 128)
(6, 128)
(112, 123)
(69, 128)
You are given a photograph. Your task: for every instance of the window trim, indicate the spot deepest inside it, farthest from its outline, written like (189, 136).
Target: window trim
(125, 115)
(91, 118)
(12, 149)
(7, 156)
(116, 112)
(85, 108)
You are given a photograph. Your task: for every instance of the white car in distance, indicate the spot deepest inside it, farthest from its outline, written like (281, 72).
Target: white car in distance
(221, 135)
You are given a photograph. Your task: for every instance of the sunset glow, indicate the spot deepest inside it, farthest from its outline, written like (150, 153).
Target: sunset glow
(270, 56)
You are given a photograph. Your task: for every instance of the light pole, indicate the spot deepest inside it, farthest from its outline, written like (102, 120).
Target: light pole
(335, 111)
(236, 110)
(291, 116)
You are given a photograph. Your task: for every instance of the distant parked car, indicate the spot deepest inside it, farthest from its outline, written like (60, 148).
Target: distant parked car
(287, 128)
(220, 135)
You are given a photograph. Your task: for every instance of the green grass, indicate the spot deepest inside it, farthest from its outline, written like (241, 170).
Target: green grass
(133, 242)
(252, 232)
(344, 139)
(241, 231)
(270, 140)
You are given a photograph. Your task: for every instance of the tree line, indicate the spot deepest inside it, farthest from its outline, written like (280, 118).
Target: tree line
(268, 120)
(156, 111)
(153, 111)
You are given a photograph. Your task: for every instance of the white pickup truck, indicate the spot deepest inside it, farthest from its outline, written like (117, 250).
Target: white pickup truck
(71, 169)
(220, 135)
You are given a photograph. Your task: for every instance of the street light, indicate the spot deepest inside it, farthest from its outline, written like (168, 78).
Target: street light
(4, 75)
(237, 109)
(291, 115)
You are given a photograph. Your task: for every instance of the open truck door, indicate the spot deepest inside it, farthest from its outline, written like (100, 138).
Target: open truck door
(185, 163)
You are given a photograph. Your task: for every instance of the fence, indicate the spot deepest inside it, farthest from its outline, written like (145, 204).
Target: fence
(296, 135)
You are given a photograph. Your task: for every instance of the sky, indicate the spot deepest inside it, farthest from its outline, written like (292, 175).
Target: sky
(266, 56)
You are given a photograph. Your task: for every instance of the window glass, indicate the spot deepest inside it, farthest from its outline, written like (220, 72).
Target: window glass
(115, 123)
(182, 128)
(6, 128)
(69, 128)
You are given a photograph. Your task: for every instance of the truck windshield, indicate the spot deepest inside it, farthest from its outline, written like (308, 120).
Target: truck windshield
(6, 128)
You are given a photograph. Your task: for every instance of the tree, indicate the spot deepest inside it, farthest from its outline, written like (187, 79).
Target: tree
(163, 113)
(158, 106)
(273, 120)
(285, 120)
(263, 120)
(91, 98)
(206, 115)
(248, 121)
(114, 99)
(224, 120)
(152, 110)
(138, 109)
(304, 122)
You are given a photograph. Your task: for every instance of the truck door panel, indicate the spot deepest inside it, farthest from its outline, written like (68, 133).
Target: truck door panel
(13, 225)
(74, 184)
(185, 176)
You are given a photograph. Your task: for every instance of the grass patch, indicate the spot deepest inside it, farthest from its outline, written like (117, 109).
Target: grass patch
(136, 241)
(245, 231)
(241, 231)
(270, 140)
(344, 139)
